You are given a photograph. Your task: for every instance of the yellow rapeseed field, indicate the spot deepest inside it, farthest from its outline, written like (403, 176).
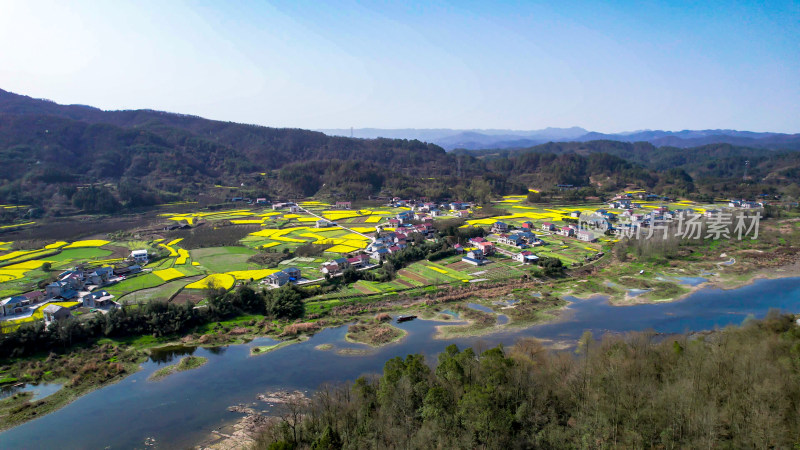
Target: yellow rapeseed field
(168, 274)
(88, 243)
(219, 280)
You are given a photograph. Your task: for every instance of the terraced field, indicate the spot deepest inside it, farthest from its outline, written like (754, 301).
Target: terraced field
(189, 271)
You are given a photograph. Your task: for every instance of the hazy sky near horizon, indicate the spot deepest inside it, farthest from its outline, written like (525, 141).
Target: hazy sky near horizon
(606, 66)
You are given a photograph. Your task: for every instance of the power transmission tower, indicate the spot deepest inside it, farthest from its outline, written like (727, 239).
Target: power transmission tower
(746, 166)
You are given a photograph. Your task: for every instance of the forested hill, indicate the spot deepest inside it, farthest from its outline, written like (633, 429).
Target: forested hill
(711, 161)
(274, 146)
(63, 159)
(43, 144)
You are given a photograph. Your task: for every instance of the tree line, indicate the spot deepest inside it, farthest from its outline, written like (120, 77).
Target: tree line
(153, 318)
(736, 388)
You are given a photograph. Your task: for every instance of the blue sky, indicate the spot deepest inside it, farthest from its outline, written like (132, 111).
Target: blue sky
(606, 66)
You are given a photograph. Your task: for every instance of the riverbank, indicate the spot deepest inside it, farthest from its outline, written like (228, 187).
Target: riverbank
(523, 303)
(186, 413)
(264, 349)
(719, 280)
(79, 373)
(375, 332)
(186, 363)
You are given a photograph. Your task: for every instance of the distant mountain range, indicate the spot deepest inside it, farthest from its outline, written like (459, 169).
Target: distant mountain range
(451, 139)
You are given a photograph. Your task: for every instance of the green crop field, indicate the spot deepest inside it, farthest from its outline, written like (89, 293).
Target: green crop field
(134, 284)
(162, 292)
(224, 259)
(75, 254)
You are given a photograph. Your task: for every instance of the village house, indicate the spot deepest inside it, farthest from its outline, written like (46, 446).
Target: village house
(73, 278)
(404, 216)
(474, 257)
(343, 205)
(278, 279)
(127, 270)
(54, 289)
(744, 204)
(381, 242)
(486, 247)
(334, 266)
(99, 299)
(526, 257)
(547, 226)
(514, 240)
(597, 221)
(322, 223)
(528, 225)
(139, 256)
(60, 289)
(425, 207)
(379, 254)
(424, 228)
(34, 297)
(53, 313)
(100, 276)
(360, 260)
(499, 227)
(568, 231)
(261, 201)
(182, 225)
(294, 273)
(14, 305)
(281, 205)
(586, 236)
(527, 235)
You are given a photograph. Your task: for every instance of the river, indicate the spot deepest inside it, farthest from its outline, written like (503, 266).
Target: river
(182, 409)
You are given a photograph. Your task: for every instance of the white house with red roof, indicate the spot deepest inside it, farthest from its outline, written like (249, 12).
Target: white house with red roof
(526, 257)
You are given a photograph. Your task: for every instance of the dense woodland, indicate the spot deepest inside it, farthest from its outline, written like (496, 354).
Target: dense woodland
(711, 169)
(66, 159)
(737, 388)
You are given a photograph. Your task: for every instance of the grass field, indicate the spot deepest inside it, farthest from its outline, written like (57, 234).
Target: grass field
(224, 259)
(74, 254)
(144, 281)
(163, 292)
